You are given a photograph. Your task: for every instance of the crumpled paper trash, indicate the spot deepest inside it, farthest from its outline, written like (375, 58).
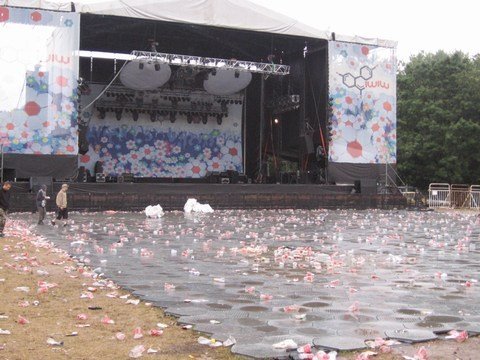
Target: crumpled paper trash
(192, 205)
(154, 212)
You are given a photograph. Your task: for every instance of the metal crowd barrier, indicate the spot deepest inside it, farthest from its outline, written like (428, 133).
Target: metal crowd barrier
(457, 196)
(439, 195)
(475, 197)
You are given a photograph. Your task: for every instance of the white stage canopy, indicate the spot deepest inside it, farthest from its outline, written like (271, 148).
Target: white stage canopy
(235, 14)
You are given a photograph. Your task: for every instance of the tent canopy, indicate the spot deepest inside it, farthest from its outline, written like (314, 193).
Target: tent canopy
(235, 14)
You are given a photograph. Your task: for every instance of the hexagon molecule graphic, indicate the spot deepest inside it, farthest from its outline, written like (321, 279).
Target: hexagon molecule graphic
(360, 83)
(348, 80)
(366, 73)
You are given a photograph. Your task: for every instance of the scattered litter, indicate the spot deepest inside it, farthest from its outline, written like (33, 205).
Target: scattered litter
(285, 344)
(4, 332)
(53, 342)
(107, 320)
(137, 351)
(133, 302)
(458, 336)
(22, 289)
(137, 333)
(230, 341)
(154, 212)
(192, 205)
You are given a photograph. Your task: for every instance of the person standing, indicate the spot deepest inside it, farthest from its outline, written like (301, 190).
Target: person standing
(4, 205)
(42, 203)
(61, 201)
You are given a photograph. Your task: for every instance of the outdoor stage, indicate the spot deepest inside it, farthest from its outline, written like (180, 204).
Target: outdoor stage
(136, 196)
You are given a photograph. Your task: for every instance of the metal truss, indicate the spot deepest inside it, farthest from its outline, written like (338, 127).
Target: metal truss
(212, 63)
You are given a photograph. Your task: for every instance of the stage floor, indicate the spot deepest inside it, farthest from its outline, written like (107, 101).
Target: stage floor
(136, 196)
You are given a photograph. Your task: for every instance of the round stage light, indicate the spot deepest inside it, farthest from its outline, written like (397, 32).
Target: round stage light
(149, 76)
(227, 81)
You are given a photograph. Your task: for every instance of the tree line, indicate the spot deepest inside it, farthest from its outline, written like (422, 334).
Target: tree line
(438, 119)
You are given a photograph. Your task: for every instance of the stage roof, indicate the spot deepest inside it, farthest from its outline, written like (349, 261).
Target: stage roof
(234, 14)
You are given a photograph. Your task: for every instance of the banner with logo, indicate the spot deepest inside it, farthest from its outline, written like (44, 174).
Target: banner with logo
(362, 90)
(161, 148)
(38, 81)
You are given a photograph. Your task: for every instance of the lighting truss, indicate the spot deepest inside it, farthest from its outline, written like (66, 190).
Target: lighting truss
(194, 61)
(213, 63)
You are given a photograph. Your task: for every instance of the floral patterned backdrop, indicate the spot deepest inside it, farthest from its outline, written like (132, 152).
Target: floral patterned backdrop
(362, 91)
(38, 81)
(162, 148)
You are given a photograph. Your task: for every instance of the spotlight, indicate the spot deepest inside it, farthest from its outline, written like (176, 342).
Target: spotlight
(118, 114)
(224, 107)
(101, 113)
(172, 117)
(204, 118)
(219, 119)
(189, 118)
(135, 115)
(157, 66)
(237, 74)
(140, 65)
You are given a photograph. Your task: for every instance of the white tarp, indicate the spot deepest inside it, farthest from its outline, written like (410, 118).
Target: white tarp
(236, 14)
(39, 4)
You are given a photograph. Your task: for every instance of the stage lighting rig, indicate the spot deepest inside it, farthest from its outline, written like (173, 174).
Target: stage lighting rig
(208, 63)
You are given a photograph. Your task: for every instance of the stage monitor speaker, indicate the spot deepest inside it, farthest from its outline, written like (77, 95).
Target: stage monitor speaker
(82, 174)
(100, 177)
(37, 181)
(224, 180)
(357, 185)
(233, 176)
(128, 177)
(120, 179)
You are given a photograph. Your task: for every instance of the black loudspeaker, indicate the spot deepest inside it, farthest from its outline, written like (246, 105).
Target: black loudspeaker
(82, 139)
(37, 181)
(233, 176)
(357, 185)
(82, 174)
(306, 142)
(128, 177)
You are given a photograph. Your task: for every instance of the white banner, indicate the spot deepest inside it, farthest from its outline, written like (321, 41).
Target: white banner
(362, 90)
(38, 81)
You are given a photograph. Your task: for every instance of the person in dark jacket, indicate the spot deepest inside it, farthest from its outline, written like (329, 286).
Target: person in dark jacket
(4, 205)
(41, 202)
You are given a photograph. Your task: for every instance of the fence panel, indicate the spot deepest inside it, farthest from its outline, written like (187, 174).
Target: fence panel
(439, 195)
(459, 196)
(475, 197)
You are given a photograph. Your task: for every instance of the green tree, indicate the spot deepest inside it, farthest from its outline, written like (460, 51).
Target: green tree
(438, 111)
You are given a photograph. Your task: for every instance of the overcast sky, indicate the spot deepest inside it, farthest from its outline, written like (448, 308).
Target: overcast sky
(416, 24)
